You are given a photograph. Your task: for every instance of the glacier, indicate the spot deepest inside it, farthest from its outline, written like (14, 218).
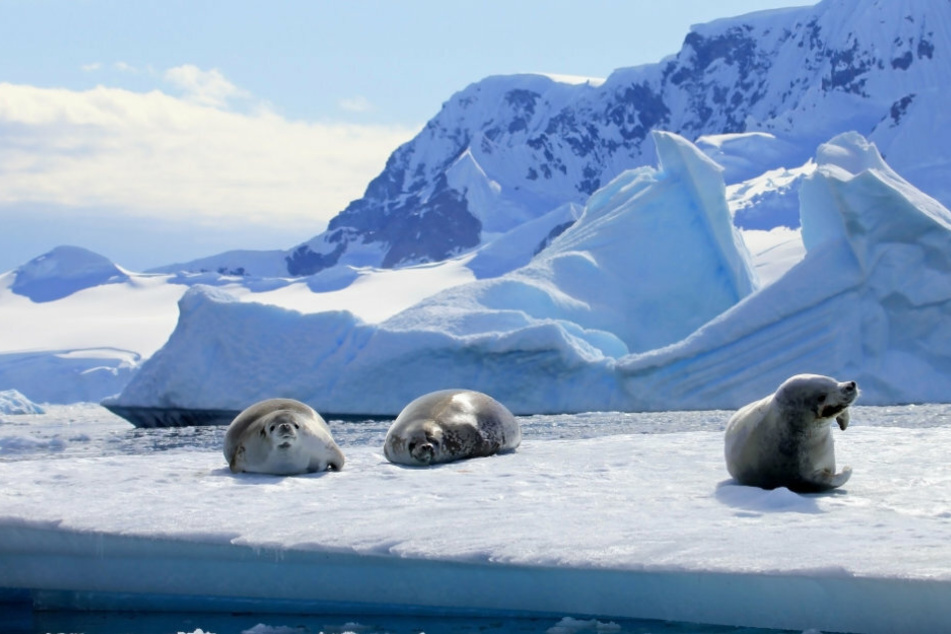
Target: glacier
(502, 170)
(648, 302)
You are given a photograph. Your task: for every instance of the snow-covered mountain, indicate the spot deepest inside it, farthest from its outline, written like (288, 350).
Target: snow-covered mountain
(508, 150)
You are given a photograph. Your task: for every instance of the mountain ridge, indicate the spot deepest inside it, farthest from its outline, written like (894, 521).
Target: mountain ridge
(508, 149)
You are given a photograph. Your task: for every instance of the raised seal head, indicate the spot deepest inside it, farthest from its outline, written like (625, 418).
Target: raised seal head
(785, 439)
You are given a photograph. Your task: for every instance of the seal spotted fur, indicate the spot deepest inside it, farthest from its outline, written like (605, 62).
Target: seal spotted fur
(785, 439)
(450, 425)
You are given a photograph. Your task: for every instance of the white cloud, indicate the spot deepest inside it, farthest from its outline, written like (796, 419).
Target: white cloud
(91, 67)
(154, 154)
(125, 68)
(205, 87)
(355, 104)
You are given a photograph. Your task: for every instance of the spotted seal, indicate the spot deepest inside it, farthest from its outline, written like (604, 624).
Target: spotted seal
(785, 439)
(281, 436)
(450, 425)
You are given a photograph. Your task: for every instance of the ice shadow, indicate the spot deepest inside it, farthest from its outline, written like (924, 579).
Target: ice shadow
(753, 501)
(264, 478)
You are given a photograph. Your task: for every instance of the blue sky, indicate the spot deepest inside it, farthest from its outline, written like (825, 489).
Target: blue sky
(156, 132)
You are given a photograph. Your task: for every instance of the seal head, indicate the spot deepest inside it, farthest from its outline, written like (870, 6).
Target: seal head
(281, 437)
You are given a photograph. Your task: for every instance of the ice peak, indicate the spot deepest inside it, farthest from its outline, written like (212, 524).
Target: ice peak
(851, 152)
(64, 271)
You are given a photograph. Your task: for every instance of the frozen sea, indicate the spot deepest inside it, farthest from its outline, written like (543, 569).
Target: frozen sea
(82, 435)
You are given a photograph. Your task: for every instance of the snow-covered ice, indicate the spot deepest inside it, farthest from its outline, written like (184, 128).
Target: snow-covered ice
(593, 525)
(623, 278)
(85, 345)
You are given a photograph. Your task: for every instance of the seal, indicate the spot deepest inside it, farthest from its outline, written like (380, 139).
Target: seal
(450, 425)
(785, 439)
(281, 436)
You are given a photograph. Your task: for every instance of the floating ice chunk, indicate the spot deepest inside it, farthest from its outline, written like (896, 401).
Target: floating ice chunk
(13, 403)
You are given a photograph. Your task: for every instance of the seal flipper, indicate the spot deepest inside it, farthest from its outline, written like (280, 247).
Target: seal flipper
(334, 463)
(841, 478)
(843, 419)
(825, 480)
(234, 460)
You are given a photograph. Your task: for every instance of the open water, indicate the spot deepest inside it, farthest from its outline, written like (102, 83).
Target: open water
(88, 431)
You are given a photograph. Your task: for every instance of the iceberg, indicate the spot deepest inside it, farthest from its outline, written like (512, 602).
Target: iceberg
(647, 302)
(543, 338)
(14, 403)
(68, 376)
(870, 301)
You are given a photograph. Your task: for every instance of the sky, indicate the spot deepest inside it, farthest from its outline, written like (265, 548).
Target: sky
(160, 132)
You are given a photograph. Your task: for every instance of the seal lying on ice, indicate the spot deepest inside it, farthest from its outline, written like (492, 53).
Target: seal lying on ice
(785, 439)
(281, 436)
(450, 425)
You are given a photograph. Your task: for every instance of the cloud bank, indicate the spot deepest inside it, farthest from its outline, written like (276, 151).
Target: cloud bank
(154, 154)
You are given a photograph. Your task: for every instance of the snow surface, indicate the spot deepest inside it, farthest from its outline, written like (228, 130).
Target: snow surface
(62, 272)
(624, 525)
(612, 316)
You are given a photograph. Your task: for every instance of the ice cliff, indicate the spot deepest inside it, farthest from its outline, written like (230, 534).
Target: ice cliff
(871, 301)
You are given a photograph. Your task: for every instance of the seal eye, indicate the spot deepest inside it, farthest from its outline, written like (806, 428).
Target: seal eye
(412, 446)
(822, 398)
(296, 426)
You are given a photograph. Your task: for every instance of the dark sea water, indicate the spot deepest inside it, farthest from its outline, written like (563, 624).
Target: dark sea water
(88, 431)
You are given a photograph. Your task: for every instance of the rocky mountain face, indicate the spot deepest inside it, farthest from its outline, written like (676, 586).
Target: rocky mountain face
(507, 150)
